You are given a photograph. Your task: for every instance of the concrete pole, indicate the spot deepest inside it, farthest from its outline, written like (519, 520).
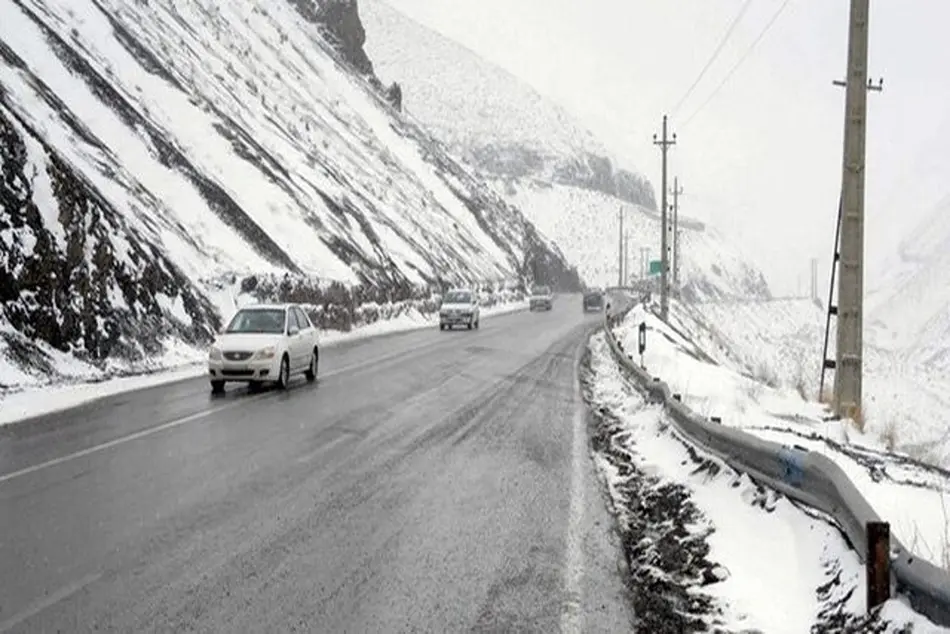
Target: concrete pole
(626, 260)
(850, 324)
(664, 144)
(620, 249)
(677, 190)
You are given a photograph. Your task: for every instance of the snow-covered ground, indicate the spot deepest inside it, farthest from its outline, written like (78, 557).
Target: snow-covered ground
(188, 363)
(906, 401)
(706, 545)
(715, 381)
(585, 224)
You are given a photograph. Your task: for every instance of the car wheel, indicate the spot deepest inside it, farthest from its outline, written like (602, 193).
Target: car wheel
(311, 372)
(217, 387)
(283, 378)
(471, 323)
(477, 322)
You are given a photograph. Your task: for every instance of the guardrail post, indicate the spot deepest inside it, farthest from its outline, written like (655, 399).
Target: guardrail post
(878, 563)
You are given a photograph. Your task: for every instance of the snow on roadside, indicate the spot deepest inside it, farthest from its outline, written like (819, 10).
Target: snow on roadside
(706, 547)
(905, 402)
(181, 365)
(913, 497)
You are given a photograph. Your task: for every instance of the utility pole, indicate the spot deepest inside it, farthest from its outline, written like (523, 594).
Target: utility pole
(626, 260)
(620, 249)
(813, 293)
(677, 190)
(850, 324)
(664, 144)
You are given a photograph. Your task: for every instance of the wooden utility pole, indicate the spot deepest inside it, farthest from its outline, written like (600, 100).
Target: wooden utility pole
(850, 323)
(664, 144)
(677, 190)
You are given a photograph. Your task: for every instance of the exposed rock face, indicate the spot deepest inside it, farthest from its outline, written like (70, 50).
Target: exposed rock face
(342, 27)
(81, 280)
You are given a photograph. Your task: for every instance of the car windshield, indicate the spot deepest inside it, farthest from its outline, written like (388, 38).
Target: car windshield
(457, 297)
(259, 320)
(540, 290)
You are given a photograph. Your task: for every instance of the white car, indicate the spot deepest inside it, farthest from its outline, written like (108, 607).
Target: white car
(541, 298)
(264, 343)
(459, 308)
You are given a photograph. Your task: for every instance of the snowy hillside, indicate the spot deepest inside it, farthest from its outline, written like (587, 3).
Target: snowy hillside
(497, 122)
(909, 312)
(155, 152)
(585, 225)
(540, 159)
(780, 342)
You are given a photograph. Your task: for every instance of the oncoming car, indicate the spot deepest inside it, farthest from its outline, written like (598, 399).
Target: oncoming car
(262, 344)
(541, 298)
(459, 308)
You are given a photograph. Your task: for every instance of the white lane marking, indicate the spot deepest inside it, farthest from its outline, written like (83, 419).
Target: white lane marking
(119, 441)
(572, 616)
(48, 601)
(170, 425)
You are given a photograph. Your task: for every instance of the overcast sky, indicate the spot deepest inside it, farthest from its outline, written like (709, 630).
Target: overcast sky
(763, 159)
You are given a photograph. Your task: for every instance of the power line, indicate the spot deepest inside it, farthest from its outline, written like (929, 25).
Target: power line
(722, 44)
(739, 63)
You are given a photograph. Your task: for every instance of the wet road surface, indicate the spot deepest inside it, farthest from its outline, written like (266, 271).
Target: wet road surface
(428, 482)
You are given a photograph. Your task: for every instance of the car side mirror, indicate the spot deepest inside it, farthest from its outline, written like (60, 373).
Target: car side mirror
(293, 330)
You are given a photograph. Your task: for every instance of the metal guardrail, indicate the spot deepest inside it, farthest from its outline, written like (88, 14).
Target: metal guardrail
(804, 476)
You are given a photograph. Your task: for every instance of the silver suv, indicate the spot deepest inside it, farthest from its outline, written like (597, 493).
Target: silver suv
(459, 308)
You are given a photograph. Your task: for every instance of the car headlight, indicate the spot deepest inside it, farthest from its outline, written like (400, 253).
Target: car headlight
(267, 353)
(214, 353)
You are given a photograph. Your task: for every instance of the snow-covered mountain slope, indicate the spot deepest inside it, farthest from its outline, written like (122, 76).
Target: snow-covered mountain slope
(540, 159)
(586, 225)
(779, 342)
(152, 148)
(909, 311)
(494, 120)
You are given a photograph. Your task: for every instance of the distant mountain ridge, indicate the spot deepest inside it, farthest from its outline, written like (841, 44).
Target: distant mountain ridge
(493, 120)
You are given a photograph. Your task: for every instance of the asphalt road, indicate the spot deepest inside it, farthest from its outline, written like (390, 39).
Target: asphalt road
(428, 482)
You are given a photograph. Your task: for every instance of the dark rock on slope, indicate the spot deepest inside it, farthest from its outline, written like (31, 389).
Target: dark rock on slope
(77, 277)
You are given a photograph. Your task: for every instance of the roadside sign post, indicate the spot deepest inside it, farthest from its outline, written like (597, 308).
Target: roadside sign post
(656, 267)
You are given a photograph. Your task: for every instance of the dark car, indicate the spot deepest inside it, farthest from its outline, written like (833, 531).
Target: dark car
(593, 301)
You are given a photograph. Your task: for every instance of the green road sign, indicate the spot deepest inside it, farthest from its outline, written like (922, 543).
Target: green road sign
(656, 267)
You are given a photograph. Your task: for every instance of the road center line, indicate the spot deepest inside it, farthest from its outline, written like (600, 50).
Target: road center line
(177, 423)
(48, 601)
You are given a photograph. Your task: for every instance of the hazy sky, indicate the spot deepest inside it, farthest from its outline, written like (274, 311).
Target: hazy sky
(763, 159)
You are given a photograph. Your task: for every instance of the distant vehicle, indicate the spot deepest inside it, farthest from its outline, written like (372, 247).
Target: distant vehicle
(459, 308)
(593, 301)
(264, 343)
(541, 298)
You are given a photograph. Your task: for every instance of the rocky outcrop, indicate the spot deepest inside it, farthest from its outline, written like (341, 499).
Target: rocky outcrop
(342, 28)
(73, 274)
(598, 173)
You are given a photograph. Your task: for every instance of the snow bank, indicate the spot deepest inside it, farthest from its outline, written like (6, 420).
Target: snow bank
(756, 561)
(913, 497)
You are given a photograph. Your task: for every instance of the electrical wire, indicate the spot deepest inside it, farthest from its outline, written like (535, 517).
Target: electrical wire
(715, 54)
(739, 63)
